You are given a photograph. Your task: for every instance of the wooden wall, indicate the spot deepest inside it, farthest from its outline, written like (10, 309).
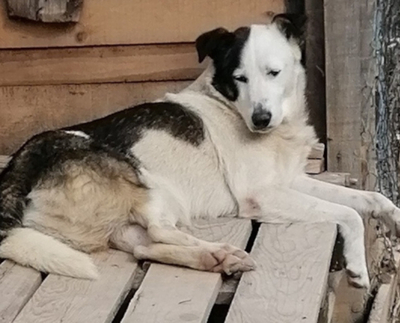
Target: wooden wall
(121, 52)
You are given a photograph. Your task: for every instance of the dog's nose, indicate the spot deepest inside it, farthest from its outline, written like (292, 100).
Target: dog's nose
(261, 119)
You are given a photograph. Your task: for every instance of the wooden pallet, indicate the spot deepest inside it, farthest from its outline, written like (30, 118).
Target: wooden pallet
(288, 285)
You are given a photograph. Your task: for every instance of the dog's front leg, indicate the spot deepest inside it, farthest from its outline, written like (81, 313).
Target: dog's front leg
(287, 205)
(364, 202)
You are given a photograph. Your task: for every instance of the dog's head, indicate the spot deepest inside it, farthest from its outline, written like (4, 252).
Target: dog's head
(254, 67)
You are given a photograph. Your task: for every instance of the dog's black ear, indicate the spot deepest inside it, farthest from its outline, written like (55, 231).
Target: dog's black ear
(210, 42)
(292, 25)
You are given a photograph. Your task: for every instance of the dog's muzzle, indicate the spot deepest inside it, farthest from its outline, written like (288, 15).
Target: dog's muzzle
(261, 119)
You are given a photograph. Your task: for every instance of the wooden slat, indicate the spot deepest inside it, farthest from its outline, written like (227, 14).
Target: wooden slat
(315, 166)
(105, 22)
(342, 179)
(173, 294)
(64, 299)
(349, 75)
(291, 277)
(17, 285)
(27, 110)
(317, 152)
(99, 65)
(383, 302)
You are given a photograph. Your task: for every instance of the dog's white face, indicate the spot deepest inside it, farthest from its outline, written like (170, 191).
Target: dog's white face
(255, 68)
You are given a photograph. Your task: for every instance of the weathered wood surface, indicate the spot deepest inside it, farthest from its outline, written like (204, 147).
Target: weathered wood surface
(290, 281)
(349, 59)
(99, 65)
(45, 10)
(317, 152)
(28, 110)
(342, 179)
(315, 166)
(136, 22)
(63, 299)
(383, 302)
(173, 294)
(17, 285)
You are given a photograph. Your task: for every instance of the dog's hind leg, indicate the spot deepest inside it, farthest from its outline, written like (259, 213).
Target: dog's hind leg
(201, 255)
(213, 258)
(364, 202)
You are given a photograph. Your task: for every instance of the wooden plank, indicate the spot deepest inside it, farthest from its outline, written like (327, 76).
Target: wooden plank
(349, 73)
(315, 166)
(317, 152)
(342, 179)
(173, 294)
(99, 65)
(291, 277)
(17, 285)
(117, 22)
(45, 11)
(65, 299)
(383, 303)
(27, 110)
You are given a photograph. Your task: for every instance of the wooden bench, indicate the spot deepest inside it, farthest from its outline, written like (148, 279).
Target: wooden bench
(289, 284)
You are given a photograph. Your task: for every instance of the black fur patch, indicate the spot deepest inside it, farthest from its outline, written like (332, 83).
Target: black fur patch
(40, 157)
(43, 156)
(122, 129)
(292, 25)
(225, 49)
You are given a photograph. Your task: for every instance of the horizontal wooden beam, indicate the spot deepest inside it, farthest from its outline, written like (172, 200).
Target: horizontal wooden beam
(28, 110)
(99, 65)
(120, 22)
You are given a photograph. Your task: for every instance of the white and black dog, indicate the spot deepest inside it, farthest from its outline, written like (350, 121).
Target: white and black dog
(233, 144)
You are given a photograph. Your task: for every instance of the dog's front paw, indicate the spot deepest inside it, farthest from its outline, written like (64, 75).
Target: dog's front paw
(357, 276)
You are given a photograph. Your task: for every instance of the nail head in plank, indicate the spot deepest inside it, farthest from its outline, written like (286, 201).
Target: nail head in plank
(17, 285)
(290, 281)
(64, 299)
(174, 294)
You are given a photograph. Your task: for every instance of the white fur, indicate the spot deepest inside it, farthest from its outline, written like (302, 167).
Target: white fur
(30, 247)
(78, 133)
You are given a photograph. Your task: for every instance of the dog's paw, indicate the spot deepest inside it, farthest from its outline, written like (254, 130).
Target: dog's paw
(230, 260)
(358, 276)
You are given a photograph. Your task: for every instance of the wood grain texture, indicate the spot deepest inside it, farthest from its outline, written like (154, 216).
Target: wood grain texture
(342, 179)
(173, 294)
(383, 302)
(136, 22)
(317, 152)
(99, 65)
(17, 285)
(290, 281)
(54, 11)
(28, 110)
(349, 72)
(315, 166)
(64, 299)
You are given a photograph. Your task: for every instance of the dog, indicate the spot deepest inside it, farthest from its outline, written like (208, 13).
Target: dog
(234, 143)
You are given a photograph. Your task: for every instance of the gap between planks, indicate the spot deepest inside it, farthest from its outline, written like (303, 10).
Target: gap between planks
(173, 294)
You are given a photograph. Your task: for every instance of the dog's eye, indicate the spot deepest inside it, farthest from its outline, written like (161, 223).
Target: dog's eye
(241, 78)
(273, 72)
